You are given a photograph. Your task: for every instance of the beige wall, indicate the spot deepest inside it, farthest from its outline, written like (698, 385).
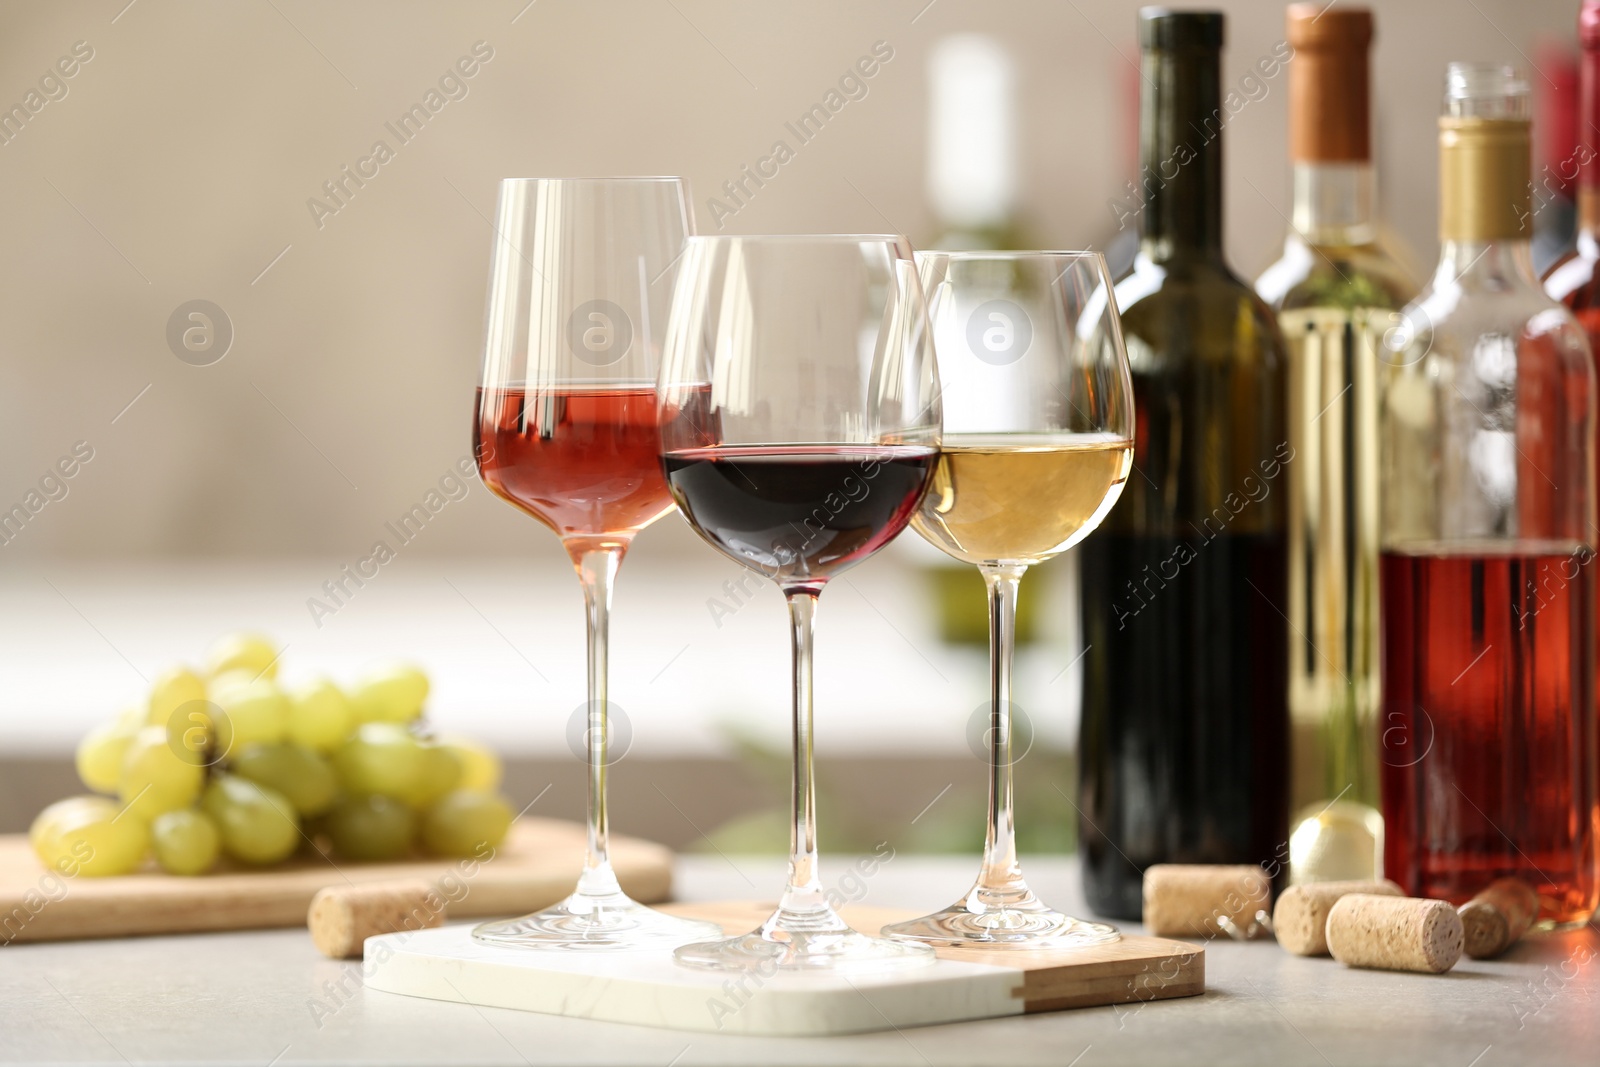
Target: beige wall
(180, 161)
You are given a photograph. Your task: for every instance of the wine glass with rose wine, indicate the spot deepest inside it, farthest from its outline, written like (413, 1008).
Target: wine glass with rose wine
(1038, 441)
(799, 422)
(567, 431)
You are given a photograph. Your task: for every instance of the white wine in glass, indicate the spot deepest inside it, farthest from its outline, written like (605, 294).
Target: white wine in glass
(1023, 498)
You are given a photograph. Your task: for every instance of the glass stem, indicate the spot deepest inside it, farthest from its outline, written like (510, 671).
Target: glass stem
(597, 569)
(1000, 873)
(803, 895)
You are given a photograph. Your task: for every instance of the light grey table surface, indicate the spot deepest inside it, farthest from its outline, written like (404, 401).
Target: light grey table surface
(268, 998)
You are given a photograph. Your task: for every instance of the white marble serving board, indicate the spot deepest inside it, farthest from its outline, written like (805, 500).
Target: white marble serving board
(647, 988)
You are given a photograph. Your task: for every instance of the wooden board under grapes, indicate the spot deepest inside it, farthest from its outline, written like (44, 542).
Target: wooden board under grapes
(535, 866)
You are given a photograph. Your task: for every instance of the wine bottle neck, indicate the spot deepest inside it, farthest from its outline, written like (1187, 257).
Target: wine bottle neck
(1495, 265)
(1589, 219)
(1334, 203)
(1588, 131)
(1485, 189)
(1180, 153)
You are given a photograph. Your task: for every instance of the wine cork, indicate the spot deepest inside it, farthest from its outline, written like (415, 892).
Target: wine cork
(1394, 933)
(1191, 900)
(1493, 920)
(1301, 918)
(343, 917)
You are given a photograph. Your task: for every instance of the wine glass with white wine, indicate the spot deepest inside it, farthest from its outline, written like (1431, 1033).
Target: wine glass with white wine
(1038, 440)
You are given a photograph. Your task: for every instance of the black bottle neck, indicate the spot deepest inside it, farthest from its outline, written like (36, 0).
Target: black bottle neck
(1180, 148)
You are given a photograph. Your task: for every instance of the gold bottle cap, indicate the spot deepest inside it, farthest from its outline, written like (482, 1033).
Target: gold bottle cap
(1485, 155)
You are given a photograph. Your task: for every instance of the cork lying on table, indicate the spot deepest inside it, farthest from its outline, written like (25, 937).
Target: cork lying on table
(1301, 918)
(343, 917)
(1394, 933)
(1496, 918)
(1191, 900)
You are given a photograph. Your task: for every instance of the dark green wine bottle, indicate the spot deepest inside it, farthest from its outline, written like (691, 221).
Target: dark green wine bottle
(1183, 743)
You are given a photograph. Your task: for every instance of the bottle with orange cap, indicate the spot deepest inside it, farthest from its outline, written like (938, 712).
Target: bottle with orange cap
(1335, 290)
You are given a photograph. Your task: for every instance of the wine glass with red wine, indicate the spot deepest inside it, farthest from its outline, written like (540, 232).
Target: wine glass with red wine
(800, 422)
(566, 430)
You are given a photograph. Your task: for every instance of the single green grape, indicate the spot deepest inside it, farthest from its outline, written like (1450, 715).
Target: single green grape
(438, 772)
(295, 771)
(392, 694)
(185, 841)
(243, 652)
(463, 822)
(320, 716)
(371, 828)
(228, 680)
(254, 712)
(257, 824)
(192, 732)
(54, 813)
(380, 757)
(67, 810)
(154, 777)
(99, 755)
(480, 768)
(172, 690)
(91, 836)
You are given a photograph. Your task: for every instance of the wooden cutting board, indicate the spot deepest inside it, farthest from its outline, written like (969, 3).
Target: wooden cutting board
(647, 988)
(535, 866)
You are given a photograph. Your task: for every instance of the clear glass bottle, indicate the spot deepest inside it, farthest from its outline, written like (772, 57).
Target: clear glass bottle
(1336, 290)
(1487, 575)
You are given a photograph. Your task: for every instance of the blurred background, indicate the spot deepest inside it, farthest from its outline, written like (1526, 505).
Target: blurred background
(204, 151)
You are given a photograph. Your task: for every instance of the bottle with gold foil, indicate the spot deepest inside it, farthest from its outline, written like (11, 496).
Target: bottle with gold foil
(1336, 290)
(1486, 568)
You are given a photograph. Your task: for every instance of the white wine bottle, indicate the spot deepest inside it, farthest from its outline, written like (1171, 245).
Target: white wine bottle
(1336, 291)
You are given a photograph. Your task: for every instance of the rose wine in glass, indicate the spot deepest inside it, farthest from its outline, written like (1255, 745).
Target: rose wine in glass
(581, 459)
(1038, 441)
(568, 431)
(808, 449)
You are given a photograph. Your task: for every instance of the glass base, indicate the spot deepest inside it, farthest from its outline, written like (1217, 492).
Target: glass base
(584, 922)
(819, 942)
(1013, 919)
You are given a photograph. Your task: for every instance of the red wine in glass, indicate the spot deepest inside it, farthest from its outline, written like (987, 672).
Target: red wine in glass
(800, 514)
(582, 459)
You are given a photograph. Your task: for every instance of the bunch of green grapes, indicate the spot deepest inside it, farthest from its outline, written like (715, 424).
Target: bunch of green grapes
(229, 763)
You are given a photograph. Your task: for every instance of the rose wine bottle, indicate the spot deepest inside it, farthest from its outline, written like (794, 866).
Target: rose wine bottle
(1336, 290)
(1184, 725)
(1486, 424)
